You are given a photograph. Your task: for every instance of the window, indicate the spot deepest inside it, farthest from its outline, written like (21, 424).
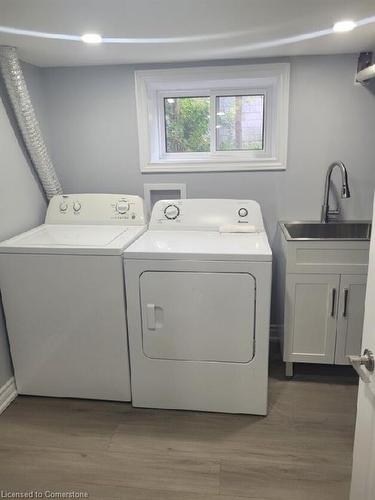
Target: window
(212, 119)
(239, 122)
(187, 124)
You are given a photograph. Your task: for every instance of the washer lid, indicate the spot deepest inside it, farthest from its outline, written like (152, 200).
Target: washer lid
(66, 238)
(202, 245)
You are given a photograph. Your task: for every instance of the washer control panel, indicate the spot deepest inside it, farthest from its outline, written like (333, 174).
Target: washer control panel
(206, 214)
(122, 206)
(96, 208)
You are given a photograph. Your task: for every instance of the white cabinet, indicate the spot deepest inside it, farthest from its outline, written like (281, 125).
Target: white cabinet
(323, 317)
(323, 283)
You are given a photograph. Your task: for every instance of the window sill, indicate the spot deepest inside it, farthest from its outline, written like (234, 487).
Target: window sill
(207, 166)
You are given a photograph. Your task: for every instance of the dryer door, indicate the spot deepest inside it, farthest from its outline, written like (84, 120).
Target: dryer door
(198, 316)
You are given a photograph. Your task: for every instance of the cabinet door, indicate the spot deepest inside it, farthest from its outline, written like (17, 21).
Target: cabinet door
(350, 316)
(310, 317)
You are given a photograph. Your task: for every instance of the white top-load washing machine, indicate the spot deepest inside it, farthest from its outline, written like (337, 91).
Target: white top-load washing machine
(198, 286)
(62, 286)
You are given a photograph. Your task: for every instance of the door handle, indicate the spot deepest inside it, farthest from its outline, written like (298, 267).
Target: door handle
(333, 302)
(367, 360)
(151, 319)
(346, 293)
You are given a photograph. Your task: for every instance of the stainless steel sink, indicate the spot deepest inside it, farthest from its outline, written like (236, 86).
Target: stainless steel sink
(326, 231)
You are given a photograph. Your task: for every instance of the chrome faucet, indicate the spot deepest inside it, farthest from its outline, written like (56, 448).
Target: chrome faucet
(345, 193)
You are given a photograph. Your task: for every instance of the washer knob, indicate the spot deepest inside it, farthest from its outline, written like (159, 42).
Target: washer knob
(122, 206)
(76, 206)
(63, 206)
(242, 212)
(171, 212)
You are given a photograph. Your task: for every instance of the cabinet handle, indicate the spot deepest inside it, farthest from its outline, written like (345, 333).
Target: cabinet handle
(346, 293)
(333, 302)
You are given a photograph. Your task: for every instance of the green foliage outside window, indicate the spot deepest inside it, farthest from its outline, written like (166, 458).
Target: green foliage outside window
(187, 124)
(239, 123)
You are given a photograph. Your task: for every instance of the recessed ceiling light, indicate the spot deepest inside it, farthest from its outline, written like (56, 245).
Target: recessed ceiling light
(91, 38)
(344, 26)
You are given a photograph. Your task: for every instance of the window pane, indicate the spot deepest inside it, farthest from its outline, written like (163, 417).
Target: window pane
(239, 122)
(187, 124)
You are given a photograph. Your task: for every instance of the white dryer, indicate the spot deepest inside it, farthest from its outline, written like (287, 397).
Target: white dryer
(62, 287)
(198, 287)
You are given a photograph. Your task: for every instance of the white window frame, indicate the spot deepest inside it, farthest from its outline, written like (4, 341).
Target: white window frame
(152, 86)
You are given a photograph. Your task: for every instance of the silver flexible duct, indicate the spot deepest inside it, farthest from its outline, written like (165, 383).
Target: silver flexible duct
(27, 120)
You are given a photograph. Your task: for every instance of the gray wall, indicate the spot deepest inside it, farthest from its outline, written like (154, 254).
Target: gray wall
(22, 204)
(92, 134)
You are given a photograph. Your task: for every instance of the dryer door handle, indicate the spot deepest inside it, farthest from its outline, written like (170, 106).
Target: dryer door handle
(151, 318)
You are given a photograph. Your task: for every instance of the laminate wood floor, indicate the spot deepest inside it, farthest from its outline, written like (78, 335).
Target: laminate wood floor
(301, 451)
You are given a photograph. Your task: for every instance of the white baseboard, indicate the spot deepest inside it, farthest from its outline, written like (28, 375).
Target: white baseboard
(8, 392)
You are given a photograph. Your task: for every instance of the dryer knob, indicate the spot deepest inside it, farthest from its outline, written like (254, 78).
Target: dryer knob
(63, 206)
(243, 212)
(171, 212)
(76, 206)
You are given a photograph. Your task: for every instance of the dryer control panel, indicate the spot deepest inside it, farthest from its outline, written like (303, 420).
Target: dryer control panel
(207, 214)
(96, 208)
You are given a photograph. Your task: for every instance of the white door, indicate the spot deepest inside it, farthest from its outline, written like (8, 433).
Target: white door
(351, 310)
(363, 477)
(310, 317)
(198, 316)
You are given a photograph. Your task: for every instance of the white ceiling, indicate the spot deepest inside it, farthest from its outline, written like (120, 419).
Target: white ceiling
(200, 29)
